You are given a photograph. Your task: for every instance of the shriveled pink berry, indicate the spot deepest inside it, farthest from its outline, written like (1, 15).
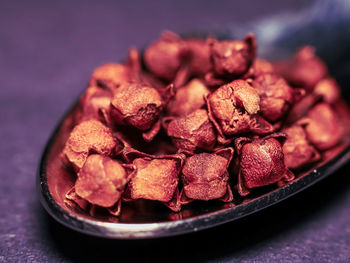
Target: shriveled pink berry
(261, 162)
(101, 181)
(205, 175)
(233, 57)
(297, 149)
(165, 56)
(191, 132)
(276, 96)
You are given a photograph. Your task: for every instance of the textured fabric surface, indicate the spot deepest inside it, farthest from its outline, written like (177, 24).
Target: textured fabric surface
(47, 51)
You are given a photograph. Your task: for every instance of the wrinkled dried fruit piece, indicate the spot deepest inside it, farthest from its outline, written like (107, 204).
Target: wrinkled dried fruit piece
(199, 51)
(137, 105)
(138, 75)
(188, 98)
(300, 108)
(276, 96)
(297, 149)
(191, 132)
(233, 108)
(156, 179)
(305, 69)
(322, 127)
(102, 180)
(261, 162)
(88, 136)
(95, 103)
(328, 89)
(165, 56)
(259, 67)
(205, 176)
(73, 200)
(233, 57)
(111, 76)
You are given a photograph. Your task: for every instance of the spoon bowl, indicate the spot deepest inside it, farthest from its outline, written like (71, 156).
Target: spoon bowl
(147, 219)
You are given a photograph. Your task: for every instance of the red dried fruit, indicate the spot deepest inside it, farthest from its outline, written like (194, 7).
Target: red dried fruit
(222, 91)
(259, 67)
(102, 180)
(199, 50)
(140, 76)
(95, 103)
(156, 179)
(137, 105)
(322, 127)
(111, 76)
(88, 136)
(233, 57)
(205, 176)
(261, 162)
(72, 200)
(188, 98)
(233, 108)
(276, 96)
(301, 107)
(191, 132)
(328, 89)
(297, 149)
(305, 69)
(165, 56)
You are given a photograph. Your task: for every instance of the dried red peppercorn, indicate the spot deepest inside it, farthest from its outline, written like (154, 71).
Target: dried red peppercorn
(205, 176)
(165, 56)
(276, 96)
(243, 96)
(94, 104)
(139, 106)
(88, 136)
(328, 89)
(233, 109)
(188, 98)
(199, 52)
(304, 70)
(101, 181)
(259, 67)
(301, 107)
(322, 127)
(157, 178)
(191, 132)
(72, 200)
(233, 57)
(261, 162)
(111, 76)
(297, 149)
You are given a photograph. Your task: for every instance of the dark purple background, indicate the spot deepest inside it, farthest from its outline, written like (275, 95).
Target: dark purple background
(47, 51)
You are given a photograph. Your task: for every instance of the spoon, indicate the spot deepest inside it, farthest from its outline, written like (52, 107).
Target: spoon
(144, 219)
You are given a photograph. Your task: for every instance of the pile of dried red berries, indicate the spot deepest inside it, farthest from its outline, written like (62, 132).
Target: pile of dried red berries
(198, 120)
